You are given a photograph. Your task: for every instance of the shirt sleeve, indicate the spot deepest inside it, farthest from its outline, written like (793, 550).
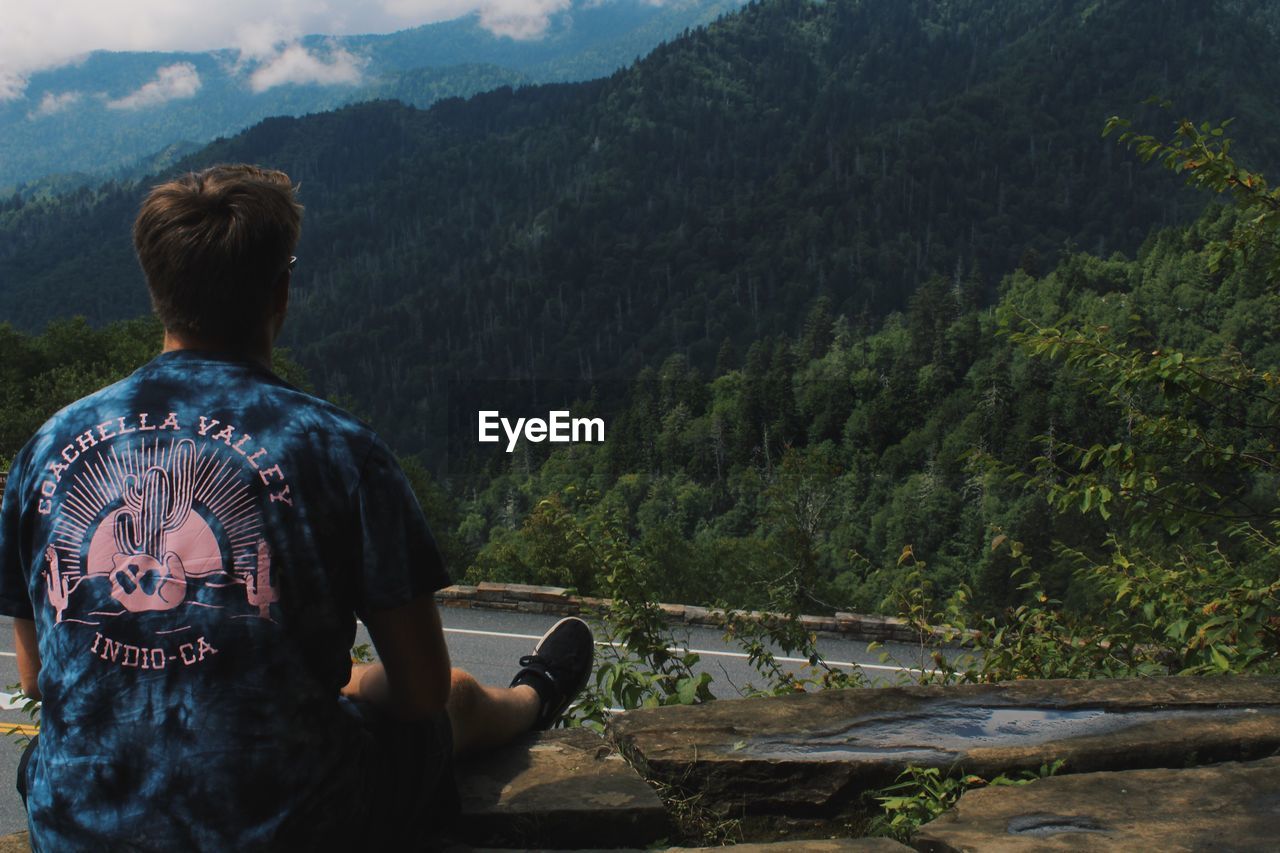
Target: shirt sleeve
(399, 557)
(15, 595)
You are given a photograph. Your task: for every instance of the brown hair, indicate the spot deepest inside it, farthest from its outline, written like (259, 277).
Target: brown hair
(212, 244)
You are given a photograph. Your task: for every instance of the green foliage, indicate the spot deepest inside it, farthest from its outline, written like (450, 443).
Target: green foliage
(1090, 468)
(758, 634)
(638, 665)
(442, 512)
(1183, 580)
(639, 662)
(1184, 492)
(921, 794)
(1149, 621)
(1202, 154)
(42, 373)
(791, 485)
(28, 706)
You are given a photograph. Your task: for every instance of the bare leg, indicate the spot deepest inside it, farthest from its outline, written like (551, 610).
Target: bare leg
(486, 717)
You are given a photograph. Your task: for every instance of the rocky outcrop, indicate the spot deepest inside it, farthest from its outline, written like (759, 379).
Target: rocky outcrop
(1228, 806)
(790, 764)
(818, 753)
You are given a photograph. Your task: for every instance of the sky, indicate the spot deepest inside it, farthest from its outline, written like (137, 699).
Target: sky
(41, 34)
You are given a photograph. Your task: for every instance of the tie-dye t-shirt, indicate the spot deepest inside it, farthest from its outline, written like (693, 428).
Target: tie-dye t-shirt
(195, 544)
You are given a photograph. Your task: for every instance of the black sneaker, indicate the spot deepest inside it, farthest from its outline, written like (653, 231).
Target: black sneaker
(559, 668)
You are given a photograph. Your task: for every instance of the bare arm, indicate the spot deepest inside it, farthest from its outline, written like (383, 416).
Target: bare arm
(24, 641)
(412, 676)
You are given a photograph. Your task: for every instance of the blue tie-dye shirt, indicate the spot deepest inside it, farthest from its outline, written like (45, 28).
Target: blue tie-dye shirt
(195, 544)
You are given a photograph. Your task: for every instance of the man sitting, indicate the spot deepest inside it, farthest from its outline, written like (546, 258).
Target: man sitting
(185, 554)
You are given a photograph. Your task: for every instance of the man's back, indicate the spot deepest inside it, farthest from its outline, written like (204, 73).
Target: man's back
(193, 543)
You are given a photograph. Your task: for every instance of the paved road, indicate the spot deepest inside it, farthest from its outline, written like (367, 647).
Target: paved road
(487, 644)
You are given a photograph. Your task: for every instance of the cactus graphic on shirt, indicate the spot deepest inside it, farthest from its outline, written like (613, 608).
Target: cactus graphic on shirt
(158, 506)
(146, 574)
(58, 584)
(258, 589)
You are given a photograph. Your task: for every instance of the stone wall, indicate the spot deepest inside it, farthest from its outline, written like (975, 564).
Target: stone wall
(524, 598)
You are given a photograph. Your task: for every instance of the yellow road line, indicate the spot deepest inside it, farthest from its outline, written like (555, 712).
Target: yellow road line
(21, 729)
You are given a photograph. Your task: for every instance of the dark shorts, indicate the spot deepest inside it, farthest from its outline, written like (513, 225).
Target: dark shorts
(414, 800)
(22, 768)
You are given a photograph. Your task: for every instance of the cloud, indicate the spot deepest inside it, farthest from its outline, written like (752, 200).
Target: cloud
(12, 85)
(517, 19)
(180, 80)
(37, 35)
(52, 104)
(261, 40)
(520, 19)
(295, 64)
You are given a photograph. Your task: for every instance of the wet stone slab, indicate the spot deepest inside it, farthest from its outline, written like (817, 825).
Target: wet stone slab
(818, 753)
(1223, 807)
(943, 732)
(562, 789)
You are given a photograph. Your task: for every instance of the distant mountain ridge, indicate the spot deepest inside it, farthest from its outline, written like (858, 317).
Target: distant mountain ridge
(713, 192)
(77, 121)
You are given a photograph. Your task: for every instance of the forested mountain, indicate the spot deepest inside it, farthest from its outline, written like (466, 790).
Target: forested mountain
(810, 461)
(793, 474)
(845, 151)
(101, 115)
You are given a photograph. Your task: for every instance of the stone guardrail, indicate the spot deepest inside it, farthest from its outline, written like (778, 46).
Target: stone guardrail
(526, 598)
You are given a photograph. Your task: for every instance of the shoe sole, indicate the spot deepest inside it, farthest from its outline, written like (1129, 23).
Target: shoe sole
(552, 630)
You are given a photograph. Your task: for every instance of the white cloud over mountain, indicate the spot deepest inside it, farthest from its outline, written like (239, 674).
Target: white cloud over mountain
(519, 19)
(53, 103)
(12, 85)
(180, 80)
(295, 64)
(37, 34)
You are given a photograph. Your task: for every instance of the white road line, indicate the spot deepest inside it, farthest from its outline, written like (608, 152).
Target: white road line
(675, 649)
(806, 660)
(708, 652)
(493, 634)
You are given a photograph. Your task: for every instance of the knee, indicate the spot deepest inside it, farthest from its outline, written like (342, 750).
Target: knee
(464, 691)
